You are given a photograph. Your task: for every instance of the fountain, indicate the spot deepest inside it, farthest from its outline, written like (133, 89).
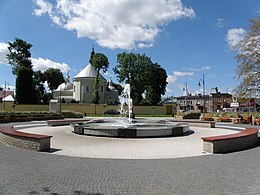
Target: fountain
(125, 99)
(129, 128)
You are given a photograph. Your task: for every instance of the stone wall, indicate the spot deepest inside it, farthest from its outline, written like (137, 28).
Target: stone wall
(25, 142)
(89, 108)
(231, 143)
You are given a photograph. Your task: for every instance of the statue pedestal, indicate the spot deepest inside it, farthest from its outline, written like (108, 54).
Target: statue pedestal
(54, 106)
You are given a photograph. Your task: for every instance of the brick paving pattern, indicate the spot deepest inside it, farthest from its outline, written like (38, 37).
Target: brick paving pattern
(29, 172)
(26, 172)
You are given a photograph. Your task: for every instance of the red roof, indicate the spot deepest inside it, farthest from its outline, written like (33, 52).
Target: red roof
(3, 94)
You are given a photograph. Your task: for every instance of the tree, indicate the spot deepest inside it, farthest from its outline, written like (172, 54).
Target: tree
(142, 75)
(38, 80)
(25, 91)
(130, 69)
(99, 62)
(248, 57)
(54, 78)
(19, 57)
(19, 54)
(156, 85)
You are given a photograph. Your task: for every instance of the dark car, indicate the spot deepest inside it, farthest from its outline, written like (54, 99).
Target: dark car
(111, 112)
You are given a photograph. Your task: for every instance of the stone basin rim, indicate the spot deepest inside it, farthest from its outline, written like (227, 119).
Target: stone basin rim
(139, 128)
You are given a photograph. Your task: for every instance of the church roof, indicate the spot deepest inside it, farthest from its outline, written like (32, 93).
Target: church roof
(88, 72)
(65, 87)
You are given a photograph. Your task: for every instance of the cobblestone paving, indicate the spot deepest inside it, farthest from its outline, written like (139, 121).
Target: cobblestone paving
(27, 172)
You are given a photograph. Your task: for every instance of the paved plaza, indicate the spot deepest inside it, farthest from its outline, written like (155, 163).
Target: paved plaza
(67, 143)
(94, 165)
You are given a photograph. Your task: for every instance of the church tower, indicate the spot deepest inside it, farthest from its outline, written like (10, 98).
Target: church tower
(83, 83)
(92, 54)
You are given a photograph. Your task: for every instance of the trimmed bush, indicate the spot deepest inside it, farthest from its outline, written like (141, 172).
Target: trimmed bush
(71, 114)
(20, 116)
(191, 115)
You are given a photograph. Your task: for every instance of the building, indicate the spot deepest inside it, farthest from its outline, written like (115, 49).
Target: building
(214, 102)
(220, 101)
(247, 104)
(64, 92)
(82, 88)
(193, 103)
(4, 94)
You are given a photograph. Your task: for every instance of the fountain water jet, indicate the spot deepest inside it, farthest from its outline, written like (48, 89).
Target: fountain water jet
(125, 98)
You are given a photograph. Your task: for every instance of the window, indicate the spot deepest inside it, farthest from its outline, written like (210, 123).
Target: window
(219, 100)
(87, 89)
(102, 88)
(74, 88)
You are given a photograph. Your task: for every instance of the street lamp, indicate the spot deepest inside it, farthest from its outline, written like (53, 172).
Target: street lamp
(60, 99)
(5, 93)
(203, 84)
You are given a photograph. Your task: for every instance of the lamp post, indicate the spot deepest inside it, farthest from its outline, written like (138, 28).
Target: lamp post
(5, 93)
(203, 85)
(60, 100)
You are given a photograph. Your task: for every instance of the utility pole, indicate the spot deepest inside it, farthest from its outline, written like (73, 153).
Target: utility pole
(204, 98)
(4, 94)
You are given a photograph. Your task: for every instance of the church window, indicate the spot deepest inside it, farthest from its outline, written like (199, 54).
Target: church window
(87, 89)
(102, 88)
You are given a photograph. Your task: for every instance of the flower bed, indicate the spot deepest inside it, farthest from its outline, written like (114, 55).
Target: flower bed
(257, 121)
(206, 118)
(224, 119)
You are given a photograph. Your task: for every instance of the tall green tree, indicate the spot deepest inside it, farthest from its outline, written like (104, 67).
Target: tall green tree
(54, 78)
(19, 57)
(39, 79)
(248, 57)
(99, 62)
(25, 91)
(156, 83)
(19, 54)
(142, 75)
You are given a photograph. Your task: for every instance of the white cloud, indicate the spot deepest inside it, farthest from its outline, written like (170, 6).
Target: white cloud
(3, 51)
(38, 63)
(199, 69)
(220, 23)
(43, 7)
(234, 36)
(115, 23)
(205, 67)
(171, 79)
(43, 64)
(8, 87)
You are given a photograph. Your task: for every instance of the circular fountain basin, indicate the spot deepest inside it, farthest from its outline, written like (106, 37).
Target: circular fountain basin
(138, 128)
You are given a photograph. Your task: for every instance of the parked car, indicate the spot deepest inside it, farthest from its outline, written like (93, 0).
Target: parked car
(112, 112)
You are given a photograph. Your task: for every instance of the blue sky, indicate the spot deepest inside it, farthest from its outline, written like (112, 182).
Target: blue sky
(187, 38)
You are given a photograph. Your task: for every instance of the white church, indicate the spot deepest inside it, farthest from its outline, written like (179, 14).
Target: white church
(82, 88)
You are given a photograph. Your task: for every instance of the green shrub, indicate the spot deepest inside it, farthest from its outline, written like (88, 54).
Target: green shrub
(71, 114)
(191, 115)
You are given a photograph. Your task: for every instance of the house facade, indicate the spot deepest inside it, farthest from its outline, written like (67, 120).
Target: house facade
(193, 103)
